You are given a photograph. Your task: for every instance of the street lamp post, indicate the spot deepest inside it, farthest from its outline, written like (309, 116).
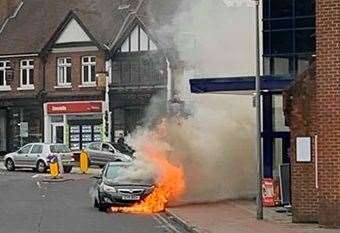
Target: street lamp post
(259, 209)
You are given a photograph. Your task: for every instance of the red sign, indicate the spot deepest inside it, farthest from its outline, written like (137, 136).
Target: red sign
(74, 107)
(270, 192)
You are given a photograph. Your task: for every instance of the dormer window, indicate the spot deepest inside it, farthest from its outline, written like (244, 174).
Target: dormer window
(4, 66)
(88, 70)
(27, 74)
(64, 71)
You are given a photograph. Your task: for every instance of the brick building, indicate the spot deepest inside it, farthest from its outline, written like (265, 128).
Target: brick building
(49, 59)
(313, 111)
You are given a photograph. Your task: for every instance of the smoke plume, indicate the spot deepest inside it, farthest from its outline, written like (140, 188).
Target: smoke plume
(215, 144)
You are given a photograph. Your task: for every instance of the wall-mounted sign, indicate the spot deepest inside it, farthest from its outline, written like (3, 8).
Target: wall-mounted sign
(74, 107)
(303, 149)
(24, 129)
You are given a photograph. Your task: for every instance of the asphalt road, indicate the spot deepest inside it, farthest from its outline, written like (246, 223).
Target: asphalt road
(29, 206)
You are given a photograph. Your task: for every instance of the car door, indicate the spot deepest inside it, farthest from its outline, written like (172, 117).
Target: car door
(21, 157)
(94, 150)
(107, 153)
(35, 153)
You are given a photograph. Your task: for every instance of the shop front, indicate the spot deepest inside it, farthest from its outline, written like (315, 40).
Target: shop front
(75, 124)
(19, 125)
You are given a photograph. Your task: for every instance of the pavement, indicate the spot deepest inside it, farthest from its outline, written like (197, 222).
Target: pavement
(239, 217)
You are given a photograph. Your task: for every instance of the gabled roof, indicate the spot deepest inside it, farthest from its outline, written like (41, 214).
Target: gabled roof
(39, 20)
(72, 18)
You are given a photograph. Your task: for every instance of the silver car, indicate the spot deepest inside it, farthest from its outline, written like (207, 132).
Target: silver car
(101, 153)
(36, 156)
(114, 188)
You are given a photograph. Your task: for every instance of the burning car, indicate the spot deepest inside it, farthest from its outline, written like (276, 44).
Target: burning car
(115, 188)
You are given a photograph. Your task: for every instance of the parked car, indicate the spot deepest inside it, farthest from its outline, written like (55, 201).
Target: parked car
(102, 152)
(36, 156)
(114, 188)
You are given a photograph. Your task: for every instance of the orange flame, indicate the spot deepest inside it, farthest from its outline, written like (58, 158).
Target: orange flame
(171, 182)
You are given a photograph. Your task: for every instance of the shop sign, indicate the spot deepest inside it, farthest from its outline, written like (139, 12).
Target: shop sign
(74, 107)
(24, 129)
(270, 192)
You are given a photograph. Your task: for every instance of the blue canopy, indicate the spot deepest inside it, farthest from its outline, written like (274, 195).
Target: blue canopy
(238, 84)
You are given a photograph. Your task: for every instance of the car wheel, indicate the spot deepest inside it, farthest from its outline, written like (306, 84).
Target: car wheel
(41, 166)
(10, 166)
(101, 207)
(67, 169)
(95, 203)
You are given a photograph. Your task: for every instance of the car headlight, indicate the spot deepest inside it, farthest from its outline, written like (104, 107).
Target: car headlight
(107, 188)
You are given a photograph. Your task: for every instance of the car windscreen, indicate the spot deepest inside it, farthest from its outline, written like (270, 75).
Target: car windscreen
(59, 148)
(113, 172)
(128, 174)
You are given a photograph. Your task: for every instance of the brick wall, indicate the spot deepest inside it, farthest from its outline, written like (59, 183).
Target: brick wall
(299, 110)
(312, 107)
(15, 93)
(77, 90)
(328, 109)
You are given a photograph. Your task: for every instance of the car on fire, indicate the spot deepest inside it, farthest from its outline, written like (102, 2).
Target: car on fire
(101, 153)
(115, 188)
(37, 156)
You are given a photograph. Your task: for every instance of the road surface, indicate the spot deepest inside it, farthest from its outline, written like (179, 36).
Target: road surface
(30, 206)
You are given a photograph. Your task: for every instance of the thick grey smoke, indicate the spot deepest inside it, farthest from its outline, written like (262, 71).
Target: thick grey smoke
(215, 145)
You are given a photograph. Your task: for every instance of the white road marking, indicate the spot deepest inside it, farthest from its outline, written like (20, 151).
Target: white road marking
(165, 222)
(39, 185)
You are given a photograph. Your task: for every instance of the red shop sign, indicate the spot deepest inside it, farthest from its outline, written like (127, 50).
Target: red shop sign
(74, 107)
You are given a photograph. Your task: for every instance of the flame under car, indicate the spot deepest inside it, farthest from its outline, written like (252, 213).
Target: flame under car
(115, 188)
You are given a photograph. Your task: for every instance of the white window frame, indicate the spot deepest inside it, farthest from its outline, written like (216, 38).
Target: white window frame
(63, 64)
(88, 64)
(5, 65)
(26, 67)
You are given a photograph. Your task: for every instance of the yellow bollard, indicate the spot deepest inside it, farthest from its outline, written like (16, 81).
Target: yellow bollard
(54, 169)
(84, 162)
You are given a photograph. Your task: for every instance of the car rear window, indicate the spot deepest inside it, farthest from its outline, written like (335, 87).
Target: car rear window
(59, 149)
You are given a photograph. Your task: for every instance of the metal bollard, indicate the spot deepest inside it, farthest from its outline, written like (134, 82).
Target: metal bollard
(84, 162)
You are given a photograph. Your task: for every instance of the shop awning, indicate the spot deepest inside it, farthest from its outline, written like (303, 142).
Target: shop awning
(238, 85)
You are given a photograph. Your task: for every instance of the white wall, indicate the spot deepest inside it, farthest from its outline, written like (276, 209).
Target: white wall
(73, 33)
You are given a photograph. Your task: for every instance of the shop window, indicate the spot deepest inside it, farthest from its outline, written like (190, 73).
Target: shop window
(305, 41)
(304, 7)
(27, 74)
(281, 8)
(278, 115)
(64, 71)
(89, 70)
(282, 42)
(4, 66)
(277, 156)
(303, 65)
(281, 66)
(266, 66)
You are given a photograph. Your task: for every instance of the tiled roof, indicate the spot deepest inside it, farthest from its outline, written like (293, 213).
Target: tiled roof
(38, 20)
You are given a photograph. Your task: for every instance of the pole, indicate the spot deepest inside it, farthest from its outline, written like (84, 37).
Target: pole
(259, 209)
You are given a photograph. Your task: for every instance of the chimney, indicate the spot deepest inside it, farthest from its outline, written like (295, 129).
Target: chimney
(7, 7)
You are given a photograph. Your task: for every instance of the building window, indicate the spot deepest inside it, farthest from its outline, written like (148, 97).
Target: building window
(4, 65)
(89, 70)
(64, 71)
(26, 73)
